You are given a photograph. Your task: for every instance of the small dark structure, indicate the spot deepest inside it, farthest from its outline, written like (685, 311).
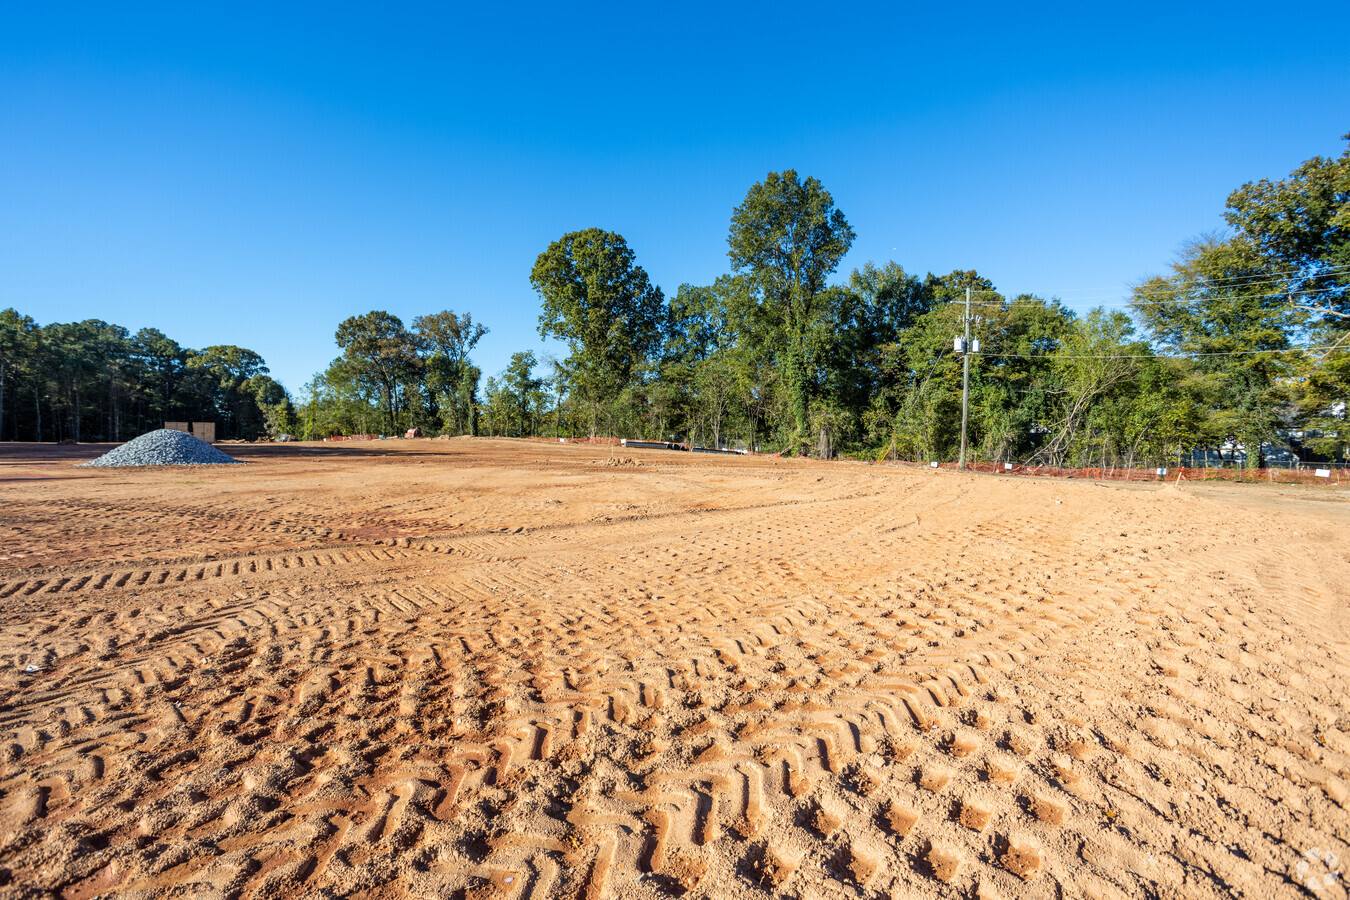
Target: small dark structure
(653, 445)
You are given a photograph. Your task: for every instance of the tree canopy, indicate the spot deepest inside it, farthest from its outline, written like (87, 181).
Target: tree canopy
(1238, 352)
(600, 302)
(380, 351)
(1300, 227)
(784, 353)
(789, 238)
(95, 381)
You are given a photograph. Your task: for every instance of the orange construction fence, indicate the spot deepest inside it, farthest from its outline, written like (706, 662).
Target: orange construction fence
(1188, 473)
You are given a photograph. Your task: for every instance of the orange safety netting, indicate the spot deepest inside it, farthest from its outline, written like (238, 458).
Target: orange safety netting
(1188, 473)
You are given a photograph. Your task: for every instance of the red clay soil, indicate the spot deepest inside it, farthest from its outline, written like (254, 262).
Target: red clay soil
(509, 669)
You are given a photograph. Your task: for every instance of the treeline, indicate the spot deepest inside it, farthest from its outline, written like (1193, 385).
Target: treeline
(390, 378)
(94, 381)
(1242, 344)
(879, 377)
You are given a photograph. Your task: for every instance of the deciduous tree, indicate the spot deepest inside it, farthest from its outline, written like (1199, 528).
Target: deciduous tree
(788, 237)
(600, 302)
(1217, 306)
(1301, 227)
(445, 339)
(382, 351)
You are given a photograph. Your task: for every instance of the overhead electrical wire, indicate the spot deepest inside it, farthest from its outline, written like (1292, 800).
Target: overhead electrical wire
(1193, 283)
(1233, 284)
(1157, 301)
(1054, 355)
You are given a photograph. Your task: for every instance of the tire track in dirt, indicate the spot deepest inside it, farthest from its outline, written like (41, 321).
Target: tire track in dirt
(491, 546)
(735, 707)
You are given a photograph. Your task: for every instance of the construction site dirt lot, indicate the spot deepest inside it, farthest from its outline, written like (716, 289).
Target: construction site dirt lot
(513, 669)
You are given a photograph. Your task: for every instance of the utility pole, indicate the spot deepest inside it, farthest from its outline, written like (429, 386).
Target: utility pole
(965, 383)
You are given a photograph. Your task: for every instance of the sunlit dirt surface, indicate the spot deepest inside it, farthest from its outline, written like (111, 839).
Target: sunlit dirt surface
(507, 669)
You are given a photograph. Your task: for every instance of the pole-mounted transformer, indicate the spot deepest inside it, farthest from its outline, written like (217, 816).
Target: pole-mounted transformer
(965, 347)
(960, 345)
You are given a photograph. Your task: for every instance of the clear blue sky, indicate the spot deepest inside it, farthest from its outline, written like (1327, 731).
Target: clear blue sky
(247, 174)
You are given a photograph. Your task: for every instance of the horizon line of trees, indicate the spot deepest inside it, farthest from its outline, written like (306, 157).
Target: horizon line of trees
(96, 381)
(1244, 342)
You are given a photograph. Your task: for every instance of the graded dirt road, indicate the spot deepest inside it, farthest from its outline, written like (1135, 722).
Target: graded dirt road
(510, 669)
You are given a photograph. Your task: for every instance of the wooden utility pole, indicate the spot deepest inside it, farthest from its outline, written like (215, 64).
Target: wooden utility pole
(965, 383)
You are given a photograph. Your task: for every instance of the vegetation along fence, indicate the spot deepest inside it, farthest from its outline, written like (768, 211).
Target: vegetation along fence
(1334, 475)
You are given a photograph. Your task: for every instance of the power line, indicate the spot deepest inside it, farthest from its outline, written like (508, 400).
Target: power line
(1054, 355)
(1203, 286)
(1172, 299)
(1192, 283)
(1160, 301)
(1241, 281)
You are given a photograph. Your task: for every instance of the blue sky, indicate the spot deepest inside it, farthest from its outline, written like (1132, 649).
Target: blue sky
(253, 174)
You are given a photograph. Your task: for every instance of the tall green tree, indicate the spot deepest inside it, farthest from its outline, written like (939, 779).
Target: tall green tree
(16, 337)
(159, 366)
(699, 322)
(1096, 364)
(113, 343)
(275, 414)
(465, 408)
(848, 337)
(1217, 306)
(445, 339)
(1012, 379)
(381, 351)
(1301, 227)
(75, 361)
(600, 302)
(556, 382)
(788, 236)
(224, 372)
(339, 401)
(523, 393)
(698, 346)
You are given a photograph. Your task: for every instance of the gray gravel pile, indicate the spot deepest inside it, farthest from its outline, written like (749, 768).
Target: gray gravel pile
(163, 448)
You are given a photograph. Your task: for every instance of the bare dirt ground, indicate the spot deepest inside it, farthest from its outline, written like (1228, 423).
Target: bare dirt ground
(491, 669)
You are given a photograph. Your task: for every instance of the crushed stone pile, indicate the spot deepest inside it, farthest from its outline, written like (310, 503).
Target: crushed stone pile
(164, 447)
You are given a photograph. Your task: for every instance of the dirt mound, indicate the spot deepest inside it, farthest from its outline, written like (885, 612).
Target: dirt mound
(620, 462)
